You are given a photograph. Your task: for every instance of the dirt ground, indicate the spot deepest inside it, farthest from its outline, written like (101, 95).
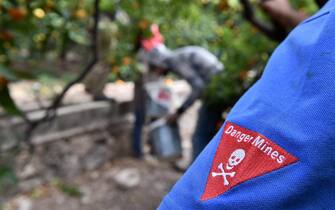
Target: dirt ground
(98, 190)
(148, 180)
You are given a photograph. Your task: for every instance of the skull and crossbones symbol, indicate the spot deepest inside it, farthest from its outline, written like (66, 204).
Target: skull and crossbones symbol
(234, 160)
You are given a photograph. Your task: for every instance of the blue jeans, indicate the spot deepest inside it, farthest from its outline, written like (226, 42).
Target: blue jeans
(137, 133)
(205, 129)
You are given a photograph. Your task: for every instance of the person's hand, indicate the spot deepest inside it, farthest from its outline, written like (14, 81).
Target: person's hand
(172, 118)
(277, 7)
(283, 12)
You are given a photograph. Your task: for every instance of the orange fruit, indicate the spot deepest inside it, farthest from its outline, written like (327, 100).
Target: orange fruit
(115, 69)
(3, 82)
(223, 5)
(143, 24)
(126, 61)
(80, 14)
(17, 13)
(6, 36)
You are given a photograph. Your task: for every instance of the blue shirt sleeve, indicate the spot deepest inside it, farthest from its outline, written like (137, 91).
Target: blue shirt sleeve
(293, 104)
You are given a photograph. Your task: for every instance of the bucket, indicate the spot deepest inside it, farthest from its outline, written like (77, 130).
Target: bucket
(165, 140)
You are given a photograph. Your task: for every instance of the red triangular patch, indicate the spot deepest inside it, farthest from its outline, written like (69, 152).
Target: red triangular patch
(242, 155)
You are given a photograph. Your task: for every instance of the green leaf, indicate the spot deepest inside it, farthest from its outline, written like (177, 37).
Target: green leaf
(7, 73)
(7, 178)
(24, 74)
(79, 36)
(7, 102)
(70, 190)
(107, 5)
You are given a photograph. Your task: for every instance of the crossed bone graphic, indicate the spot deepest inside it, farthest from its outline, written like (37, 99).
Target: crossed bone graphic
(234, 160)
(223, 174)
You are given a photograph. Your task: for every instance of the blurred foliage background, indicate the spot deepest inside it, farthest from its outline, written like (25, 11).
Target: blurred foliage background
(35, 34)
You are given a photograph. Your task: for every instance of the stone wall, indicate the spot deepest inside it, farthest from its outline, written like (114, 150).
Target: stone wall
(83, 137)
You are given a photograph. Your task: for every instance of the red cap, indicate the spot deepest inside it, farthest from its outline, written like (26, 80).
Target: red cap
(155, 40)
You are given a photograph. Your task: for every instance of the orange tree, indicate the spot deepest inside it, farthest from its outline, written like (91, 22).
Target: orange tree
(31, 31)
(34, 30)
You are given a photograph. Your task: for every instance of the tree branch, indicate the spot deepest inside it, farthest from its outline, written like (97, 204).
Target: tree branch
(50, 112)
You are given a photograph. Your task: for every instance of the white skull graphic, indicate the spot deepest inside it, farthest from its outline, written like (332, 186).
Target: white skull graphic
(235, 158)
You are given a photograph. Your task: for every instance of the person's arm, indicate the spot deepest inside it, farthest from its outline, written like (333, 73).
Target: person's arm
(321, 3)
(273, 31)
(198, 86)
(283, 12)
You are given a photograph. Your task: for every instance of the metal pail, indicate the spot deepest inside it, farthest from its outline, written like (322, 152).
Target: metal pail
(166, 141)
